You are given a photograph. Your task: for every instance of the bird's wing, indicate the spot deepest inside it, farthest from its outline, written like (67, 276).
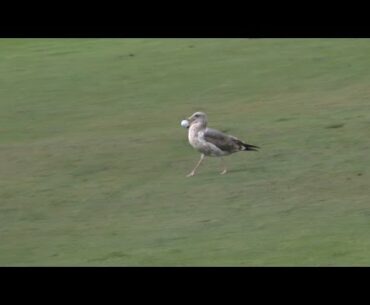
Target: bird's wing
(221, 140)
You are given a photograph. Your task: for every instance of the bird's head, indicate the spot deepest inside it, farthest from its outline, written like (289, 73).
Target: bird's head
(199, 118)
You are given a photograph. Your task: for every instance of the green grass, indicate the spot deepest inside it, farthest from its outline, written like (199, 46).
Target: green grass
(93, 158)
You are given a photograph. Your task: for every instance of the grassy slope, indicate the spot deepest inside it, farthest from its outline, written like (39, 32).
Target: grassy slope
(93, 159)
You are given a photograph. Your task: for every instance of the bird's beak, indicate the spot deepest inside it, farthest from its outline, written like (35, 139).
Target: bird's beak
(190, 120)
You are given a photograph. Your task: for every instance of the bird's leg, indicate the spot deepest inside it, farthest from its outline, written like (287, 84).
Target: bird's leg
(192, 173)
(223, 166)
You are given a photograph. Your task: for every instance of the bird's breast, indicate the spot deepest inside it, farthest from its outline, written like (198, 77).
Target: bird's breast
(196, 137)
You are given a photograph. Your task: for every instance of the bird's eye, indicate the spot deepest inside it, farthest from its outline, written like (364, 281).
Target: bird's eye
(197, 115)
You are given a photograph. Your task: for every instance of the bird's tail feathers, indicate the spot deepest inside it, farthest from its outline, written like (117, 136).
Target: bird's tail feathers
(245, 147)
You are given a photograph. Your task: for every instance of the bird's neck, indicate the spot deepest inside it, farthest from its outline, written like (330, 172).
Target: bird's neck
(196, 127)
(195, 135)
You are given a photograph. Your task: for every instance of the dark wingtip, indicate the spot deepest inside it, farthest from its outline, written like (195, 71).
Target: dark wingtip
(251, 147)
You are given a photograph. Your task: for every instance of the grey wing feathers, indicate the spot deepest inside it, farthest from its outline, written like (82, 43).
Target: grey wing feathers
(221, 140)
(226, 142)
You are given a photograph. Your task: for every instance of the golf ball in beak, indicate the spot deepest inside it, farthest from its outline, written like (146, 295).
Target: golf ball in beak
(185, 123)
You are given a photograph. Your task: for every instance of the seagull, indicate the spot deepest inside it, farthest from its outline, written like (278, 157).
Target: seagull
(211, 142)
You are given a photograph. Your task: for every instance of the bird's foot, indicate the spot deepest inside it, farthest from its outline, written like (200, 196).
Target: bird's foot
(191, 174)
(223, 172)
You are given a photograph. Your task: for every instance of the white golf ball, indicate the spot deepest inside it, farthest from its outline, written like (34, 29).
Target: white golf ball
(185, 123)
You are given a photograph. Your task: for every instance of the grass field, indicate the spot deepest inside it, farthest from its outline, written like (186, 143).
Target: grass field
(93, 158)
